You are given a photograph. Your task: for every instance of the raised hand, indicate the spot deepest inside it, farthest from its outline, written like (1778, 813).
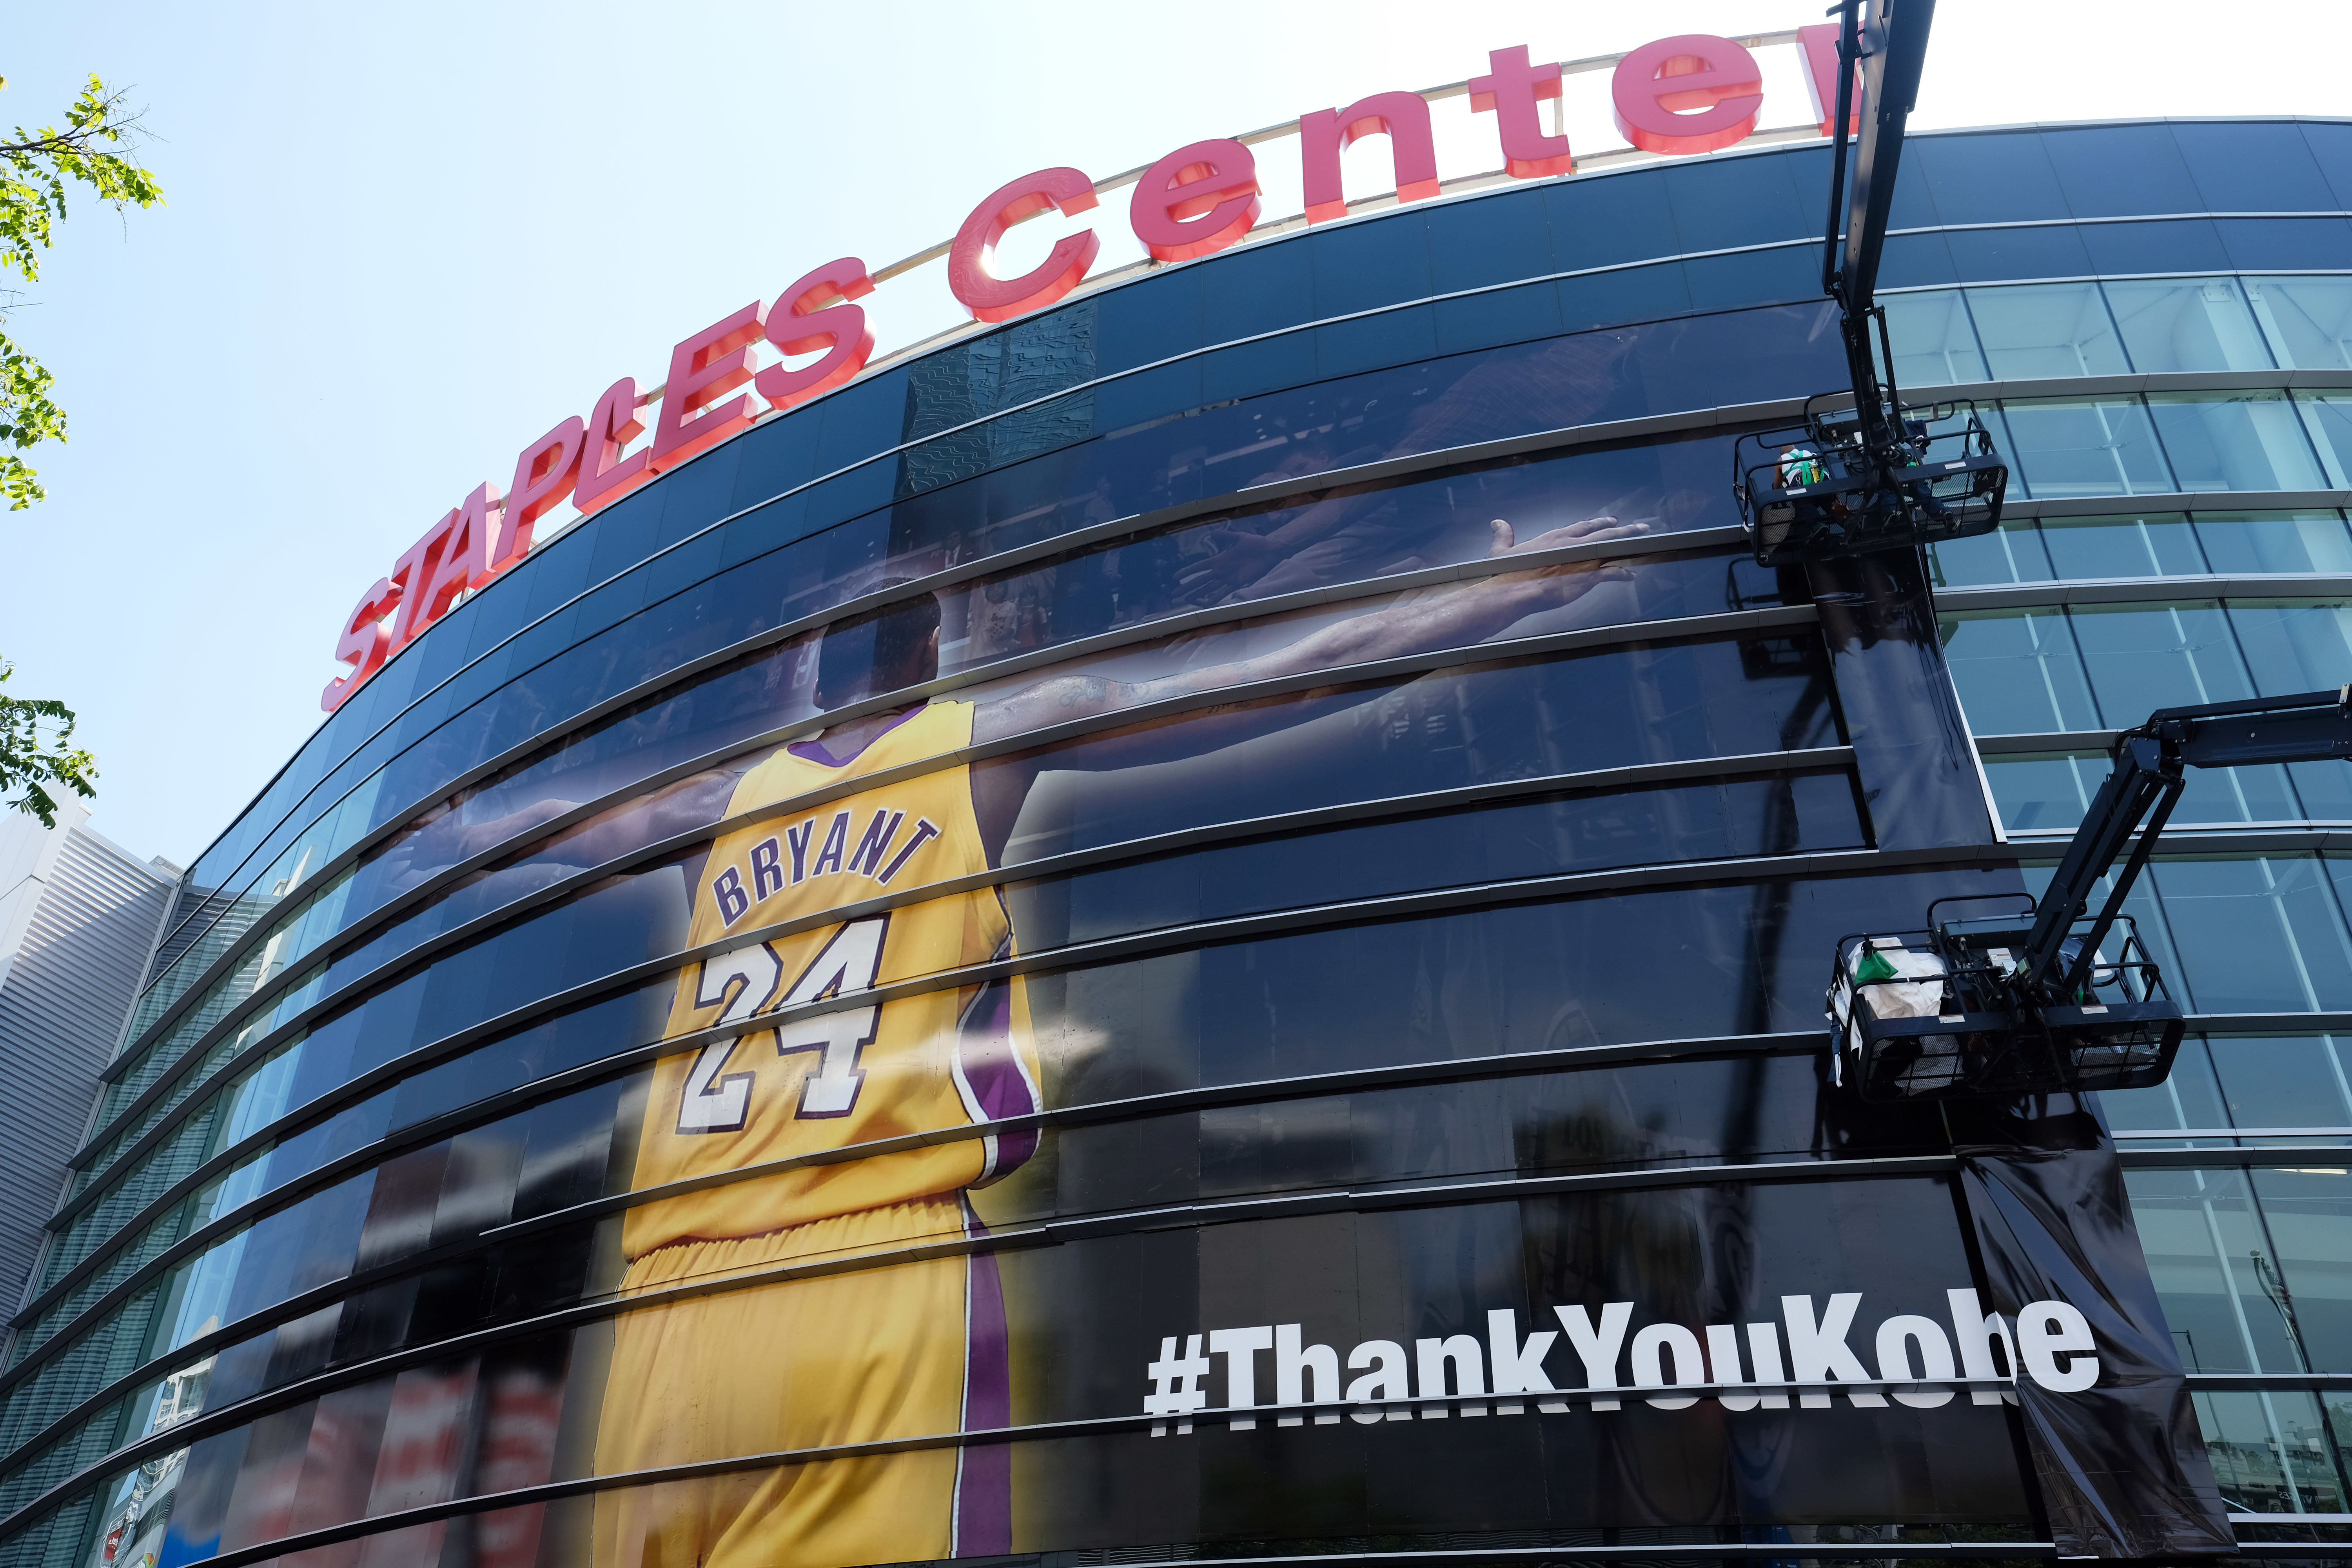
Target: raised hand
(1592, 531)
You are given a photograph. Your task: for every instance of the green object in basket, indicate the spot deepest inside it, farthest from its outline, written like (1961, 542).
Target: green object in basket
(1875, 968)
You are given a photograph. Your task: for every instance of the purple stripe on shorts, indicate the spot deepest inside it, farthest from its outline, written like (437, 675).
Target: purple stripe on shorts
(984, 1486)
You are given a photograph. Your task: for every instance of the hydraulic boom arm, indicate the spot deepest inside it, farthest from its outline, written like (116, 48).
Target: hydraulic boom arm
(2146, 784)
(2050, 997)
(1891, 57)
(1881, 476)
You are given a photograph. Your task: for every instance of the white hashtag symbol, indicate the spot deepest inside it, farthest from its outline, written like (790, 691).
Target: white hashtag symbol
(1174, 1378)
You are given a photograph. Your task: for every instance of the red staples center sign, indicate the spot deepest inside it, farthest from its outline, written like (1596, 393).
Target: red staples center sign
(1688, 94)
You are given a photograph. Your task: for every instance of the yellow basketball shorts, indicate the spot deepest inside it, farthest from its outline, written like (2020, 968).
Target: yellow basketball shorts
(905, 1350)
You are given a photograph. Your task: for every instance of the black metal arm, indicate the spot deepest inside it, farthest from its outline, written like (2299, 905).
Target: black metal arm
(1891, 55)
(2146, 784)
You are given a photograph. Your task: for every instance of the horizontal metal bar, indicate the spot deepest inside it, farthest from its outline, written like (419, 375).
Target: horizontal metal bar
(1141, 632)
(1262, 1091)
(2156, 590)
(399, 907)
(2046, 741)
(2147, 502)
(2122, 1134)
(1596, 781)
(2268, 1023)
(1175, 1102)
(1048, 1233)
(2332, 1156)
(1728, 624)
(1210, 348)
(1115, 949)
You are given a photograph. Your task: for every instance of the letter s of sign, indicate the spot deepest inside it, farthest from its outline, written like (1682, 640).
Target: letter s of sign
(991, 299)
(365, 644)
(807, 317)
(743, 978)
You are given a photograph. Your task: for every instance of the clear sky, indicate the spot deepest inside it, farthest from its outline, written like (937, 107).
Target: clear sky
(402, 240)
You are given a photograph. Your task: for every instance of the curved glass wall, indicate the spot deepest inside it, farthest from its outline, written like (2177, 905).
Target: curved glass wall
(1324, 948)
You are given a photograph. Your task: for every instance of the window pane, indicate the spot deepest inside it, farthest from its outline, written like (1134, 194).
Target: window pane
(2282, 1081)
(2145, 656)
(2235, 441)
(2046, 329)
(2309, 1215)
(2044, 792)
(2189, 1098)
(2200, 1231)
(2084, 447)
(2275, 541)
(2197, 323)
(2263, 1445)
(2010, 553)
(2328, 416)
(2259, 935)
(2017, 674)
(1934, 343)
(2309, 321)
(2293, 649)
(2154, 544)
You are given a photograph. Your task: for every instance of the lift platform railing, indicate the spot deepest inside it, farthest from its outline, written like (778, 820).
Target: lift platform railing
(1877, 477)
(1814, 490)
(1939, 1014)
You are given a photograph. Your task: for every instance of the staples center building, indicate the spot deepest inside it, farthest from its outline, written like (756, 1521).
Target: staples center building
(1064, 953)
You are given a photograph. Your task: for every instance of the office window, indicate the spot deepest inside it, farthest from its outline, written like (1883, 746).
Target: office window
(2256, 541)
(2017, 674)
(2327, 415)
(2190, 324)
(2084, 447)
(2046, 329)
(2151, 544)
(2309, 321)
(2235, 441)
(1935, 344)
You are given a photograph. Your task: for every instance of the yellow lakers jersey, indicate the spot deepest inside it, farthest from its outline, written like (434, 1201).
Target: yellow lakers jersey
(917, 1064)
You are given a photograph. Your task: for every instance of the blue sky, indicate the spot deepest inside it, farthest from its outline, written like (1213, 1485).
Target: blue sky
(400, 241)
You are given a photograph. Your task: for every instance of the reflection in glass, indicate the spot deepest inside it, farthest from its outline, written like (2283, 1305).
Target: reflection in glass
(2309, 321)
(2141, 658)
(2084, 447)
(2010, 553)
(2152, 544)
(2235, 441)
(2309, 1215)
(2048, 793)
(2282, 1081)
(2275, 541)
(2201, 1232)
(2327, 415)
(1935, 344)
(2191, 324)
(2190, 1099)
(2017, 673)
(2270, 1452)
(2046, 329)
(2253, 934)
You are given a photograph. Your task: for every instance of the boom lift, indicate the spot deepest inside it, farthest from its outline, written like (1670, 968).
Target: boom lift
(1879, 475)
(2011, 1003)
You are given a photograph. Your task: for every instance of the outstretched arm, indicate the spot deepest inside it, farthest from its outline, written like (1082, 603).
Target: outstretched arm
(1469, 613)
(676, 808)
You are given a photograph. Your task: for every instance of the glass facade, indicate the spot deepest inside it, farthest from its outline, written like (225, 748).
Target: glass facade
(870, 1000)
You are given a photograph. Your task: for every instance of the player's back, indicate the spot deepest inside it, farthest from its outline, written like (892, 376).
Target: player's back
(854, 1074)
